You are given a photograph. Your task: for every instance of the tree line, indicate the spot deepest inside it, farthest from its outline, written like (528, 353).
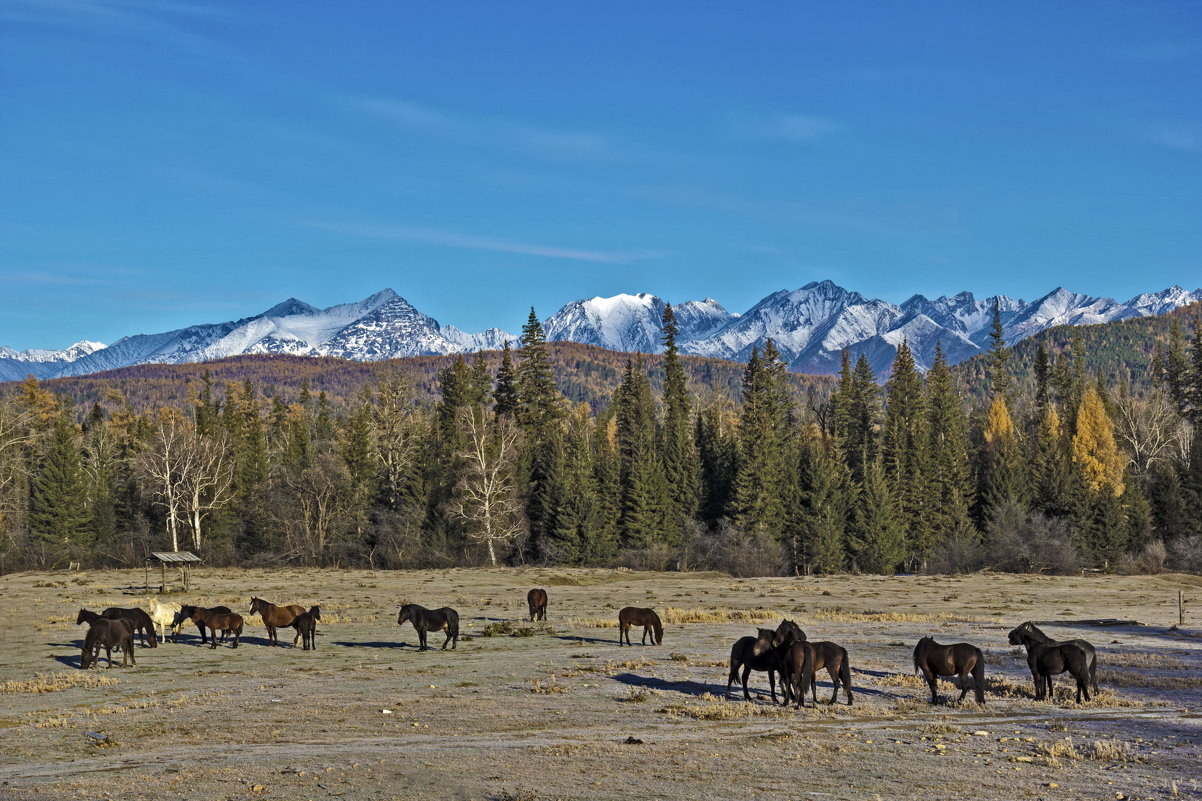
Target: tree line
(500, 467)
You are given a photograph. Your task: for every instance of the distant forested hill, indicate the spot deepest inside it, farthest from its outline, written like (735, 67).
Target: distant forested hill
(1119, 352)
(583, 372)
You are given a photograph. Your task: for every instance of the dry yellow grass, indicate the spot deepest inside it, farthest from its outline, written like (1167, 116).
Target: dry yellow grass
(711, 707)
(673, 616)
(55, 682)
(838, 614)
(1142, 659)
(1135, 678)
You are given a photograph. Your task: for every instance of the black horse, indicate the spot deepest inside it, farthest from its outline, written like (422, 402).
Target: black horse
(107, 633)
(804, 660)
(959, 659)
(424, 620)
(1030, 630)
(764, 652)
(139, 621)
(306, 626)
(1047, 659)
(188, 612)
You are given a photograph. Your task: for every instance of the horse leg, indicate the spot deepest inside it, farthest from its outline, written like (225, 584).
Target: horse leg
(746, 675)
(421, 638)
(963, 676)
(772, 683)
(978, 680)
(834, 674)
(932, 682)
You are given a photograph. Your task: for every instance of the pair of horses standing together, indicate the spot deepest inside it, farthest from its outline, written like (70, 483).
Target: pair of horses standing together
(115, 627)
(293, 615)
(446, 619)
(786, 651)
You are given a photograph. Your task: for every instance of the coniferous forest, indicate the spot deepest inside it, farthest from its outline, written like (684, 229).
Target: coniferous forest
(492, 464)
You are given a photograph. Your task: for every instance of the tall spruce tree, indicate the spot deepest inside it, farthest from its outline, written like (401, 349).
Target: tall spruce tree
(717, 453)
(905, 450)
(950, 474)
(877, 539)
(505, 395)
(677, 449)
(761, 479)
(646, 505)
(58, 504)
(823, 505)
(999, 355)
(539, 414)
(1002, 475)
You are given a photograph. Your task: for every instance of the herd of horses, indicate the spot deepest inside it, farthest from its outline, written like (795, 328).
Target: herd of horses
(784, 651)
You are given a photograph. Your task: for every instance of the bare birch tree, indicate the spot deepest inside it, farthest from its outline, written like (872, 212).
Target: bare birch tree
(487, 498)
(1150, 429)
(208, 479)
(161, 468)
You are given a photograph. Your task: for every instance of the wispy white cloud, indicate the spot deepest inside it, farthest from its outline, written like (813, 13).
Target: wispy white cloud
(800, 128)
(489, 131)
(465, 241)
(1185, 137)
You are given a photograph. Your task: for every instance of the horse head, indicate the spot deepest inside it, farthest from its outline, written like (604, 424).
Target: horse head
(256, 606)
(82, 616)
(764, 641)
(1021, 633)
(788, 632)
(405, 614)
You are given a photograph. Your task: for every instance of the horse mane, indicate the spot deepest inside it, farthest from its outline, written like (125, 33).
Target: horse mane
(1035, 632)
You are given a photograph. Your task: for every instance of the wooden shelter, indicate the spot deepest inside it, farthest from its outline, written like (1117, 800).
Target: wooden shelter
(182, 559)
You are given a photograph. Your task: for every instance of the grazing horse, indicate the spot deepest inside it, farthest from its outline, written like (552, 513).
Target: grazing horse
(138, 621)
(424, 620)
(163, 615)
(960, 659)
(536, 599)
(1031, 631)
(636, 616)
(764, 652)
(216, 621)
(186, 613)
(306, 626)
(1047, 659)
(803, 661)
(107, 633)
(276, 616)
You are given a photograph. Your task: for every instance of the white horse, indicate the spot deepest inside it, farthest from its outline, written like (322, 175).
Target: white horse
(164, 615)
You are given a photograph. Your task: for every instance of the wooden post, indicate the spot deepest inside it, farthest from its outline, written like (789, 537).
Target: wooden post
(163, 588)
(1180, 607)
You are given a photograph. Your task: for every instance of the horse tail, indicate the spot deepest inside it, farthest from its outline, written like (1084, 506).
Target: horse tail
(978, 676)
(845, 675)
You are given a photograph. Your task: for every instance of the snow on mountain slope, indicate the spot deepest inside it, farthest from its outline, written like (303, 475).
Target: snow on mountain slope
(810, 327)
(623, 322)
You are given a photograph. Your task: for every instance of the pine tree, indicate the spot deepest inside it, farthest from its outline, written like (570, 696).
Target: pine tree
(58, 503)
(821, 513)
(905, 450)
(505, 396)
(540, 405)
(863, 411)
(1043, 378)
(539, 414)
(950, 484)
(761, 480)
(877, 538)
(1051, 481)
(644, 492)
(1003, 476)
(578, 518)
(999, 355)
(1094, 450)
(677, 449)
(716, 450)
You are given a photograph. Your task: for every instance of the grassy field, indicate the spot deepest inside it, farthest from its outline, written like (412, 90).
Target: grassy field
(559, 710)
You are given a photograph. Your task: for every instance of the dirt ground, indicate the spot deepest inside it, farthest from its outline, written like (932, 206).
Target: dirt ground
(559, 710)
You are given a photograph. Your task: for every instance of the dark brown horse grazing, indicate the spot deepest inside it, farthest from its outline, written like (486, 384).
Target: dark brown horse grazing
(764, 652)
(1047, 659)
(185, 613)
(425, 620)
(803, 661)
(960, 659)
(1030, 631)
(636, 616)
(107, 633)
(306, 626)
(276, 617)
(139, 621)
(216, 621)
(536, 599)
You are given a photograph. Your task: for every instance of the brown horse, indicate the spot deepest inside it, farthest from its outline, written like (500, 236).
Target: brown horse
(306, 626)
(536, 599)
(139, 621)
(425, 620)
(216, 621)
(764, 652)
(185, 613)
(636, 616)
(107, 633)
(959, 659)
(276, 617)
(802, 663)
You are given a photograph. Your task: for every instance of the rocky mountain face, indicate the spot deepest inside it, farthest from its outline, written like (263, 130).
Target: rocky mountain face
(809, 326)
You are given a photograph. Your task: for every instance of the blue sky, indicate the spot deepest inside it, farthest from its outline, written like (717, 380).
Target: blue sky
(168, 162)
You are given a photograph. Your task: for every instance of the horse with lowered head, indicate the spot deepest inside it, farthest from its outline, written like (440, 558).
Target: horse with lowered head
(185, 613)
(802, 663)
(763, 652)
(959, 659)
(637, 616)
(536, 599)
(163, 615)
(1047, 658)
(138, 621)
(107, 633)
(276, 617)
(425, 620)
(1030, 631)
(216, 621)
